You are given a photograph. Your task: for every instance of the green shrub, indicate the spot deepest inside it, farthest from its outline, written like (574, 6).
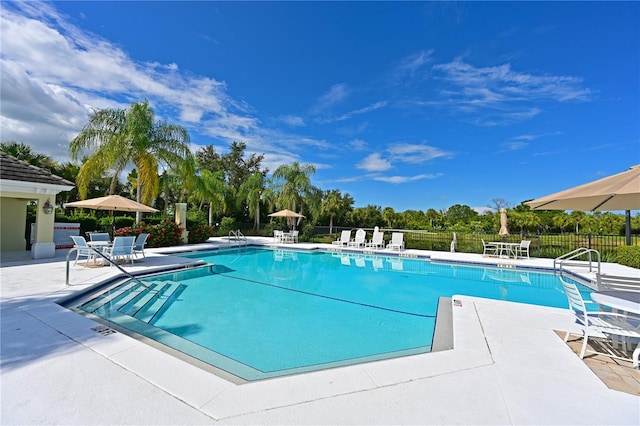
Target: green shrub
(227, 224)
(628, 255)
(199, 233)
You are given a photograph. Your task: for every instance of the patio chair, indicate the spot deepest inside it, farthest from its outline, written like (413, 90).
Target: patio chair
(122, 248)
(377, 240)
(489, 249)
(523, 249)
(82, 250)
(99, 236)
(397, 241)
(278, 236)
(598, 324)
(344, 239)
(138, 245)
(359, 240)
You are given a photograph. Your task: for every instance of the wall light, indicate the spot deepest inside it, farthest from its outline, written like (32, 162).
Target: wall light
(47, 208)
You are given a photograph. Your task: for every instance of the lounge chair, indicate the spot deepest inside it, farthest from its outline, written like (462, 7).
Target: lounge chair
(82, 250)
(122, 248)
(344, 239)
(598, 323)
(523, 249)
(138, 245)
(397, 241)
(360, 239)
(377, 240)
(489, 249)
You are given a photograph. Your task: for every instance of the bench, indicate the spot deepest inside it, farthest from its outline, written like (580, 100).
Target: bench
(617, 282)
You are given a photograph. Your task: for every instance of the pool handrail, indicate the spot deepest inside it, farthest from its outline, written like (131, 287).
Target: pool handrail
(104, 257)
(572, 255)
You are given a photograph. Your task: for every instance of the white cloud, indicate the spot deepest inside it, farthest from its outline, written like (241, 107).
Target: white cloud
(357, 145)
(364, 110)
(374, 163)
(54, 73)
(336, 94)
(416, 153)
(292, 120)
(404, 179)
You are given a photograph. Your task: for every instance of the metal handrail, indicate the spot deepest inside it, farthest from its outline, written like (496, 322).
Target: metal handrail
(237, 236)
(576, 253)
(103, 256)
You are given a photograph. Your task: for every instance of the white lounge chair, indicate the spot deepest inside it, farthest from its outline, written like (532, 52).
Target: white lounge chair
(360, 239)
(122, 248)
(82, 250)
(489, 249)
(138, 245)
(523, 249)
(344, 239)
(397, 241)
(598, 324)
(377, 240)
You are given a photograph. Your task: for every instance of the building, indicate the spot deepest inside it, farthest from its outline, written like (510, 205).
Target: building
(21, 183)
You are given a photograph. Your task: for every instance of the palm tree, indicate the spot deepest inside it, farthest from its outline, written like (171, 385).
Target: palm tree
(24, 152)
(251, 190)
(292, 184)
(331, 205)
(210, 187)
(120, 137)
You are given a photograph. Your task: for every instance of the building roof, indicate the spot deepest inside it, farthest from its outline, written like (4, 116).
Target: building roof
(17, 170)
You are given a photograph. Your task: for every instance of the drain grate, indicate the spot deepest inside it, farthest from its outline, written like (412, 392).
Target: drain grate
(104, 330)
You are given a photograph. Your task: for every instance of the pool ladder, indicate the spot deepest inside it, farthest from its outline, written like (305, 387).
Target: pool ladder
(238, 237)
(560, 261)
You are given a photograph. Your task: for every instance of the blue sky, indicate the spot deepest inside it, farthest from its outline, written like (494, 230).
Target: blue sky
(409, 105)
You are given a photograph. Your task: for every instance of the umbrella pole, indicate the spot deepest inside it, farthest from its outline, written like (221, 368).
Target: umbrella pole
(627, 227)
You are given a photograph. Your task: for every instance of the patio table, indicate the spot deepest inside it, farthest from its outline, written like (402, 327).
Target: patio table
(627, 301)
(506, 249)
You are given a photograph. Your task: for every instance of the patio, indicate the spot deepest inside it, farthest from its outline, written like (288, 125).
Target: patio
(508, 366)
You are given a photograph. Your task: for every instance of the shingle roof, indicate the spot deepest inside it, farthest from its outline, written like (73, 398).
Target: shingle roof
(13, 169)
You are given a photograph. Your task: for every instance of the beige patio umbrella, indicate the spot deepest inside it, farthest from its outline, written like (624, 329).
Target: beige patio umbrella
(617, 192)
(113, 203)
(504, 229)
(289, 214)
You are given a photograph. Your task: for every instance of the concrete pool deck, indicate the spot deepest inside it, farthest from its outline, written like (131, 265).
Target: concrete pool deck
(508, 366)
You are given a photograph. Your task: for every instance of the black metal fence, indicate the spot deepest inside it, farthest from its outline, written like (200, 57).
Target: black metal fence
(542, 245)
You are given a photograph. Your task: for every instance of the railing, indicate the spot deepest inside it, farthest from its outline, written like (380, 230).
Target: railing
(237, 236)
(560, 261)
(104, 257)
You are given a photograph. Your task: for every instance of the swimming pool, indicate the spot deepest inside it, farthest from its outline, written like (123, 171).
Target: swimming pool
(258, 313)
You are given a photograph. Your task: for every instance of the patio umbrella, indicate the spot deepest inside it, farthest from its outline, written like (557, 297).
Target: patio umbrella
(113, 203)
(617, 192)
(504, 230)
(289, 214)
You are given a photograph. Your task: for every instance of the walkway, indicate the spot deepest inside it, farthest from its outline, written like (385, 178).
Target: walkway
(508, 367)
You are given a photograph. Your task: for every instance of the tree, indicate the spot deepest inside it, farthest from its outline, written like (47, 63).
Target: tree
(120, 137)
(389, 215)
(292, 184)
(210, 187)
(251, 191)
(331, 205)
(24, 152)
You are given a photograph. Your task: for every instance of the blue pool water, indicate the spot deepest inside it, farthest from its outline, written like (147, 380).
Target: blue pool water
(259, 313)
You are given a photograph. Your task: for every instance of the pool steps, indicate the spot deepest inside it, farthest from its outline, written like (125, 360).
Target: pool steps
(132, 299)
